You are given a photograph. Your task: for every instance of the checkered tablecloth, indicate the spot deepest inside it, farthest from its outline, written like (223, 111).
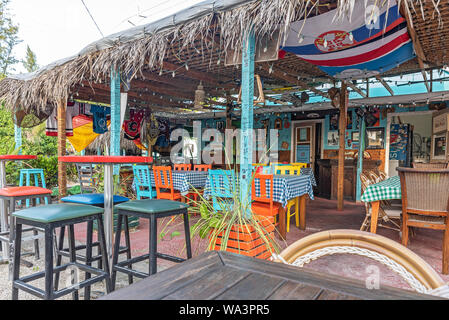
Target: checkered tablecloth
(184, 180)
(285, 187)
(384, 190)
(309, 172)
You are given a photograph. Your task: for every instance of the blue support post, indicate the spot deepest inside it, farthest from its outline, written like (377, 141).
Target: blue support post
(18, 137)
(360, 159)
(246, 141)
(115, 116)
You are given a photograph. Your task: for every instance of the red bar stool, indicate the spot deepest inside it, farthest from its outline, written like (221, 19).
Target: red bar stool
(12, 195)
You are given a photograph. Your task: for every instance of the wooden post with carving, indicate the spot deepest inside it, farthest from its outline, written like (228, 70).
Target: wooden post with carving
(341, 151)
(62, 167)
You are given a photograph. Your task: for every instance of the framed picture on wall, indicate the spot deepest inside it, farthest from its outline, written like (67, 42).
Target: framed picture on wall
(333, 138)
(333, 122)
(375, 138)
(355, 136)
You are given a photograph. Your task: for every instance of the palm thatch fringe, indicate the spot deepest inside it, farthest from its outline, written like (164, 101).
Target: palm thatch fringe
(104, 140)
(150, 49)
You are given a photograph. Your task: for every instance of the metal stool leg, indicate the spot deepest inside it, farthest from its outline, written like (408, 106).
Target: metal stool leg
(153, 244)
(16, 262)
(36, 245)
(90, 231)
(128, 247)
(12, 229)
(104, 254)
(115, 255)
(49, 290)
(72, 251)
(187, 235)
(59, 256)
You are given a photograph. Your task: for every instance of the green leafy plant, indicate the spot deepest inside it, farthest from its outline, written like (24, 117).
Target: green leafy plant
(217, 224)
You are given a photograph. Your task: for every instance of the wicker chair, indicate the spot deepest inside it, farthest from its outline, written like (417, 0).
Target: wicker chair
(425, 203)
(415, 271)
(420, 165)
(388, 212)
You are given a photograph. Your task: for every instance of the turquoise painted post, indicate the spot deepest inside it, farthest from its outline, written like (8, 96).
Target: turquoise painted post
(18, 137)
(360, 159)
(246, 134)
(115, 116)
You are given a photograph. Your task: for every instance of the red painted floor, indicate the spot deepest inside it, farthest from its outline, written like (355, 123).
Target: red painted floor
(321, 215)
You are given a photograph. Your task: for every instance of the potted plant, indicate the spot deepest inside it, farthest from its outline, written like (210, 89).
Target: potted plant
(229, 228)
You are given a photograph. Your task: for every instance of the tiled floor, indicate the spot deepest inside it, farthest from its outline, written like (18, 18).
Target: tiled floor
(321, 215)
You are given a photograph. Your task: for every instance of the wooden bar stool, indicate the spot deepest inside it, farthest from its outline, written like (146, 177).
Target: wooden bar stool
(48, 218)
(152, 210)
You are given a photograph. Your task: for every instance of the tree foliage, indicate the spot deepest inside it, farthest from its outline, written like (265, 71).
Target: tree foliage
(30, 61)
(8, 39)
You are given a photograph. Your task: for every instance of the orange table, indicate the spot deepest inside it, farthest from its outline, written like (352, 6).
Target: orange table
(3, 209)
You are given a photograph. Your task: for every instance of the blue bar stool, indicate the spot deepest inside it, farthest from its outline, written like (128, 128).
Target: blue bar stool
(27, 173)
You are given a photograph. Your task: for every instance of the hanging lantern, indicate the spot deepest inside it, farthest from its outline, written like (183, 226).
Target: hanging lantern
(200, 97)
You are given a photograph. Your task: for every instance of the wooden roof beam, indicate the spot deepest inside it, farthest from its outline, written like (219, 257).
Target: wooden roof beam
(356, 89)
(161, 89)
(282, 75)
(421, 57)
(101, 89)
(198, 75)
(385, 84)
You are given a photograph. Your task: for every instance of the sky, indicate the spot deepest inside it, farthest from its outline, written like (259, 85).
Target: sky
(56, 29)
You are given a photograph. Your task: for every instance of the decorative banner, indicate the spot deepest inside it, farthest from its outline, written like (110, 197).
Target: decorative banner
(132, 126)
(83, 132)
(375, 40)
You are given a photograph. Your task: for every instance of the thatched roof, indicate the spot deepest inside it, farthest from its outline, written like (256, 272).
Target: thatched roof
(192, 45)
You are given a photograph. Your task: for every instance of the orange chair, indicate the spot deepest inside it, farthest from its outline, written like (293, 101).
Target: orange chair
(164, 180)
(199, 168)
(202, 167)
(182, 167)
(264, 205)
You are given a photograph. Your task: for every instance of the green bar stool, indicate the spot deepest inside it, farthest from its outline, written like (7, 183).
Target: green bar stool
(48, 218)
(36, 174)
(152, 210)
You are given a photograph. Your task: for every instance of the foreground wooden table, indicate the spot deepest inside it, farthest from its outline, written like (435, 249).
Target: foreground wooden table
(228, 276)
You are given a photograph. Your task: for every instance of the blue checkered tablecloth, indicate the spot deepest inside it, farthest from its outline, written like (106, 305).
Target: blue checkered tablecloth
(285, 187)
(384, 190)
(309, 172)
(184, 180)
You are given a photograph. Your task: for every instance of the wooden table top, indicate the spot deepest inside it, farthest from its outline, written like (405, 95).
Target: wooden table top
(227, 276)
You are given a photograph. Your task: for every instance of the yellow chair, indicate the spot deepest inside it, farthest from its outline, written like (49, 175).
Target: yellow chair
(290, 170)
(299, 164)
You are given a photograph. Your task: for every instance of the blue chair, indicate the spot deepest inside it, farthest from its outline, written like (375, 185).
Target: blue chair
(27, 173)
(142, 180)
(222, 184)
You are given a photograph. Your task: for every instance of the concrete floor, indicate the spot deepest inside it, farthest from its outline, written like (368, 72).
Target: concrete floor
(321, 215)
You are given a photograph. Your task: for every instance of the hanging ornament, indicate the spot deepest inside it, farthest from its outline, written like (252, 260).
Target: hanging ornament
(200, 97)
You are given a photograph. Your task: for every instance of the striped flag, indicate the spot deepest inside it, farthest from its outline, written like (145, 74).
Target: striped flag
(372, 41)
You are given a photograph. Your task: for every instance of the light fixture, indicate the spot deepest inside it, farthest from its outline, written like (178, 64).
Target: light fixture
(200, 97)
